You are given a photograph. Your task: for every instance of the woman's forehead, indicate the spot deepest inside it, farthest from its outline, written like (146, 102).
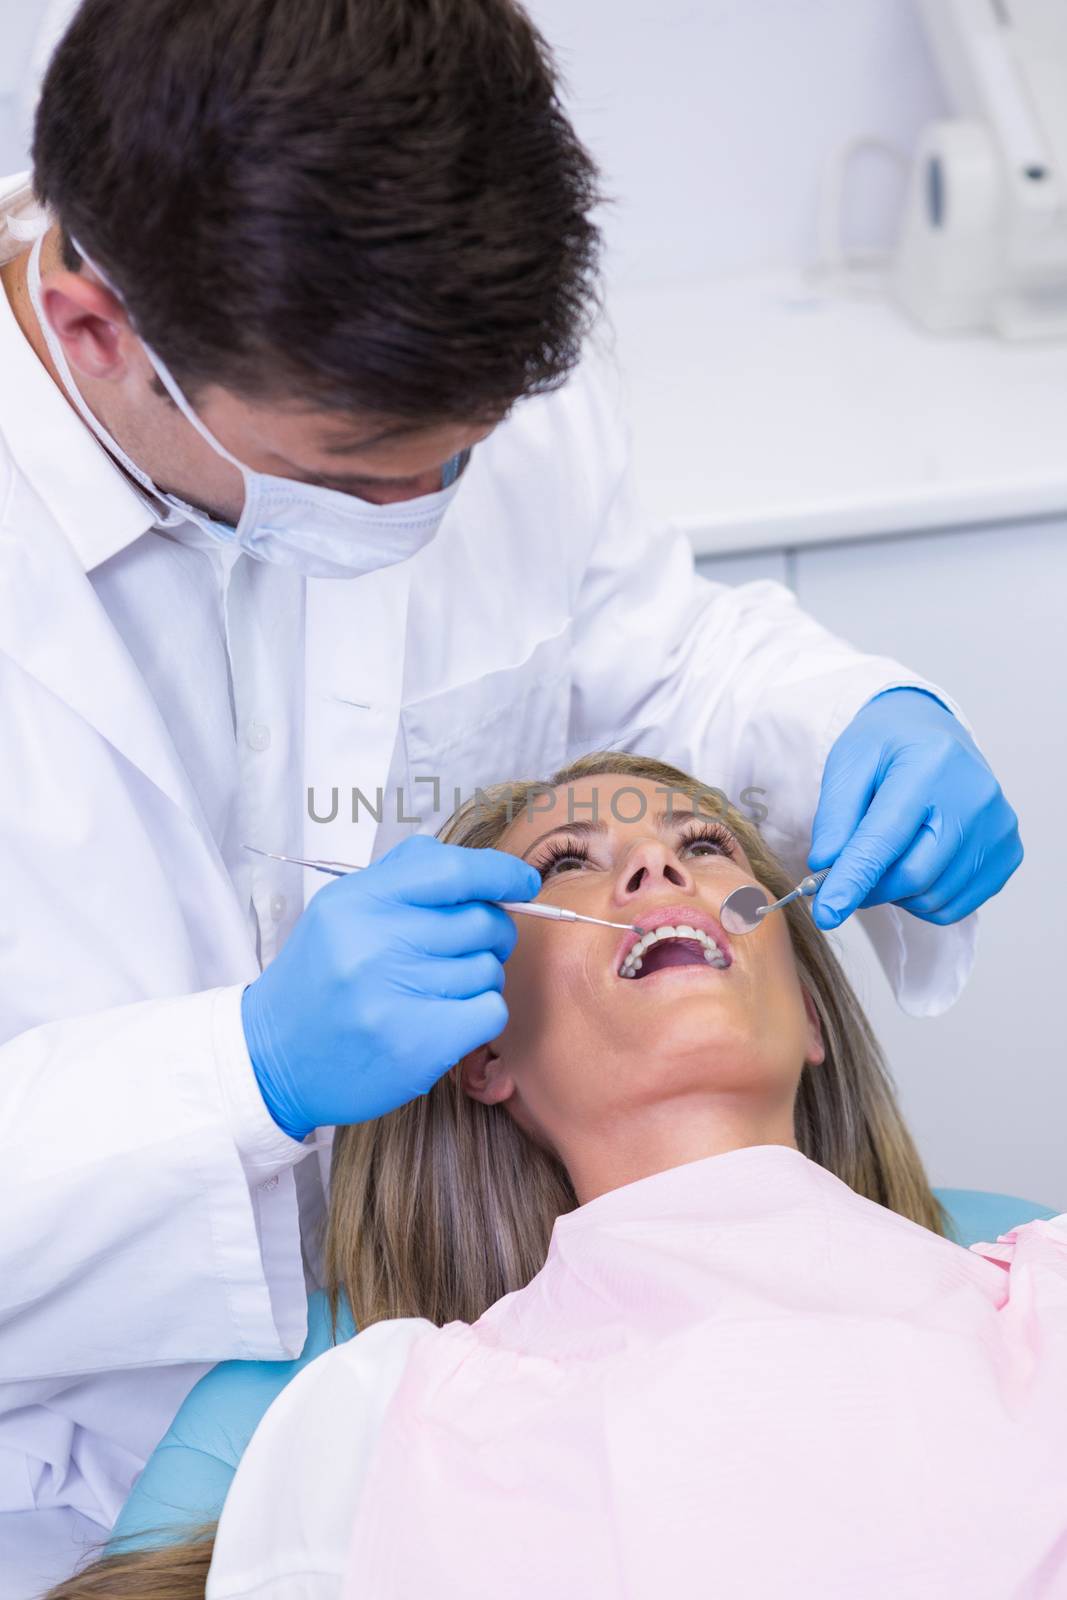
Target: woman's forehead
(582, 800)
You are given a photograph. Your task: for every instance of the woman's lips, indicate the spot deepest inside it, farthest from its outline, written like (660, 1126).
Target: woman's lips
(684, 916)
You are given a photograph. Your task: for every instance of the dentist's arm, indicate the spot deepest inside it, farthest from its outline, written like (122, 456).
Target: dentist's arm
(134, 1240)
(134, 1151)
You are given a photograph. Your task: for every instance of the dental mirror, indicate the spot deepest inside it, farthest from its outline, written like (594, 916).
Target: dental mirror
(746, 908)
(740, 911)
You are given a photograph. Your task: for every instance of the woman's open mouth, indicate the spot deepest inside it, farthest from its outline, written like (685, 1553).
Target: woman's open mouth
(675, 936)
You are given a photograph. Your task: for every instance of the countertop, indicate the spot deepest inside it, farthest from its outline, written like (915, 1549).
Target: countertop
(769, 413)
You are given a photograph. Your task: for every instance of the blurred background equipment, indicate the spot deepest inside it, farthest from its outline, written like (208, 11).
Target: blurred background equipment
(984, 243)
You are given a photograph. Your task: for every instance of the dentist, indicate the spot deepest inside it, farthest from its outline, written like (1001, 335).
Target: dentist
(313, 494)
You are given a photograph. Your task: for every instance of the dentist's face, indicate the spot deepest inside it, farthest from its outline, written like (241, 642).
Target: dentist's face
(587, 1043)
(378, 459)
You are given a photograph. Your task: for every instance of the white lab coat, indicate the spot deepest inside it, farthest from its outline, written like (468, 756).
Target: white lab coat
(142, 1238)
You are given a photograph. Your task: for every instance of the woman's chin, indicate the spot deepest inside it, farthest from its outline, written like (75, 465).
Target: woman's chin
(683, 1007)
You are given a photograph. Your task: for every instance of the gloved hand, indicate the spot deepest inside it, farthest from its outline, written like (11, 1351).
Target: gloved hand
(390, 976)
(910, 813)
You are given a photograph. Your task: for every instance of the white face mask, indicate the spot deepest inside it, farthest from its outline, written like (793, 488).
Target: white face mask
(319, 532)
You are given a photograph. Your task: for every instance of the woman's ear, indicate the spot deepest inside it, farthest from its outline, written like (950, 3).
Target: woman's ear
(482, 1075)
(815, 1054)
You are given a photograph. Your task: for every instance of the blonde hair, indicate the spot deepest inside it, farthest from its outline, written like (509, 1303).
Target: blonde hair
(171, 1572)
(445, 1205)
(442, 1207)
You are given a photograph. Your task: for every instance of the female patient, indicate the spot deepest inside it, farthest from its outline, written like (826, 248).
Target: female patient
(655, 1297)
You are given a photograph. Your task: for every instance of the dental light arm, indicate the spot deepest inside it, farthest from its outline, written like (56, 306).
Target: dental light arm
(984, 243)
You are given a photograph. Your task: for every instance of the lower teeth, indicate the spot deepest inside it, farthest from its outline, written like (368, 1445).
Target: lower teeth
(712, 957)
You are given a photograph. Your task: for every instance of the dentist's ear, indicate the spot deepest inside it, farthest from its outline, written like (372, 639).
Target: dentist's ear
(90, 322)
(484, 1077)
(815, 1054)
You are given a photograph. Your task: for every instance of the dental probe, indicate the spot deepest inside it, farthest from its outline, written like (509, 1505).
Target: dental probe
(340, 869)
(563, 914)
(745, 908)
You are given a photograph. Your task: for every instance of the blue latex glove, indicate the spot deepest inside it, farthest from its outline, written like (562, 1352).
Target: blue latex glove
(390, 977)
(188, 1475)
(910, 813)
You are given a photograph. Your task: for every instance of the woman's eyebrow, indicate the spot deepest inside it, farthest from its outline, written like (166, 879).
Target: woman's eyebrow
(664, 819)
(699, 816)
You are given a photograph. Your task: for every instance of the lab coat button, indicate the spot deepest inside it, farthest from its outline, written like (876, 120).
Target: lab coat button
(270, 1183)
(258, 736)
(278, 903)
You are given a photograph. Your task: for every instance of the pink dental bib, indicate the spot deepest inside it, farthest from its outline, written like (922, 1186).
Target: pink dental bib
(737, 1379)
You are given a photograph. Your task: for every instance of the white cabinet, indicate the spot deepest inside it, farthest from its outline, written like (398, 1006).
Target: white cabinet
(984, 613)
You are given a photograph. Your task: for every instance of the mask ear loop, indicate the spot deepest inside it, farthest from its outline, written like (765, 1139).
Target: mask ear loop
(165, 515)
(164, 374)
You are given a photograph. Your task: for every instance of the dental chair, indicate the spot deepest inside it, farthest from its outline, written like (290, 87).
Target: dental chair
(978, 1216)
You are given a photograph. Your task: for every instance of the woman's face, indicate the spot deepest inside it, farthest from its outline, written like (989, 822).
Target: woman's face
(684, 1051)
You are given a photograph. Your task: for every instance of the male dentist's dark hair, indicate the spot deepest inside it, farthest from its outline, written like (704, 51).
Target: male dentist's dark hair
(369, 206)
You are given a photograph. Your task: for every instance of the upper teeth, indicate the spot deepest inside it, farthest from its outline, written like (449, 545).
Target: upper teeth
(712, 954)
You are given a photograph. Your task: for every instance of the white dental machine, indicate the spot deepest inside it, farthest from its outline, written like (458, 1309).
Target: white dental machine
(984, 242)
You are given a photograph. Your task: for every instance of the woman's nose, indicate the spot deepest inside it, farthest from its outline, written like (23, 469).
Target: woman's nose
(648, 865)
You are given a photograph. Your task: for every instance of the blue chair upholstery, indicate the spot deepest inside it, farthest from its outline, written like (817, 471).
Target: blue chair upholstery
(979, 1217)
(188, 1474)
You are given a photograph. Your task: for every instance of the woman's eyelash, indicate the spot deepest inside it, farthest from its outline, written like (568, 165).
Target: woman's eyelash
(576, 849)
(561, 850)
(711, 833)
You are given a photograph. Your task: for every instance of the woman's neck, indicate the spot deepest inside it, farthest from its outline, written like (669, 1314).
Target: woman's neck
(670, 1134)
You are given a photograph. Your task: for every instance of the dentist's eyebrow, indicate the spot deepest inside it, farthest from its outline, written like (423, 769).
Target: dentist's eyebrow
(341, 445)
(663, 819)
(343, 477)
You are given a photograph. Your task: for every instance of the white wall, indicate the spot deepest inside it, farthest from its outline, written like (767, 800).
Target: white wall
(982, 612)
(713, 119)
(983, 1087)
(19, 23)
